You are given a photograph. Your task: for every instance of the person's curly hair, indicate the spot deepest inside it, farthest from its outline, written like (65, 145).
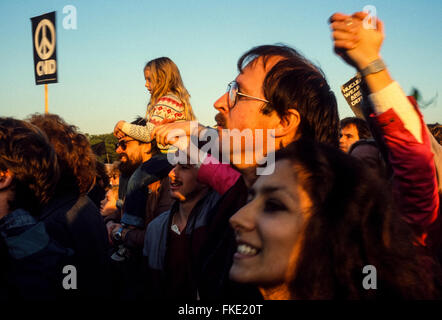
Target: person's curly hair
(75, 156)
(26, 152)
(354, 223)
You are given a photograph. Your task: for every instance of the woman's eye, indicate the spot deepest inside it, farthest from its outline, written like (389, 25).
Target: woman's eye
(274, 205)
(250, 197)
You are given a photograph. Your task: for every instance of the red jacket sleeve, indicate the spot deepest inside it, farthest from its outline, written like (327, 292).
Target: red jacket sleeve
(414, 180)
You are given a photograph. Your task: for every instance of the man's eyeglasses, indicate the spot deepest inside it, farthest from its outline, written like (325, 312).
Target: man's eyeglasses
(122, 144)
(233, 91)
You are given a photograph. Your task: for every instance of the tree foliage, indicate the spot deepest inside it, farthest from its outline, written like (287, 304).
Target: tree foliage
(109, 140)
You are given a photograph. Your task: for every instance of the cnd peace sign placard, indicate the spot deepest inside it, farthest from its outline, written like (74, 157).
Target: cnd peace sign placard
(44, 44)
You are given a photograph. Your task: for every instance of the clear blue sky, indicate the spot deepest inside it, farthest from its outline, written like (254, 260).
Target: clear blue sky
(100, 64)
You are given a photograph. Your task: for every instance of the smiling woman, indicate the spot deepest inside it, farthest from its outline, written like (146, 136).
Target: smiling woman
(275, 216)
(309, 229)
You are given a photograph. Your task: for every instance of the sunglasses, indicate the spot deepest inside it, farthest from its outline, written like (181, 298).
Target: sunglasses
(123, 144)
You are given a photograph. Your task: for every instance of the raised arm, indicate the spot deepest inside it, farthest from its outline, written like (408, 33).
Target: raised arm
(400, 122)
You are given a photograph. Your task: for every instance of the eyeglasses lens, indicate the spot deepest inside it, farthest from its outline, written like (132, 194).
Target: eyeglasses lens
(233, 90)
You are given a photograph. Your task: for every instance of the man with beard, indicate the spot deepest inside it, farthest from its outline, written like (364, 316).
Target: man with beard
(144, 191)
(126, 167)
(143, 169)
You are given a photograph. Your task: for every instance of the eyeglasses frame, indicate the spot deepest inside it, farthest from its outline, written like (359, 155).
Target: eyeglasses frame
(238, 93)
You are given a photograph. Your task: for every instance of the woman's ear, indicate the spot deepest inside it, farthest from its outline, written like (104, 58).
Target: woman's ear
(288, 125)
(5, 179)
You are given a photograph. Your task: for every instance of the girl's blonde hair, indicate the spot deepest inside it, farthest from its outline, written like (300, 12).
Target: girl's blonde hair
(166, 78)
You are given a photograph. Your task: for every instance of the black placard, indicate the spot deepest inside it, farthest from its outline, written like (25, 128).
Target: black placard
(353, 94)
(45, 48)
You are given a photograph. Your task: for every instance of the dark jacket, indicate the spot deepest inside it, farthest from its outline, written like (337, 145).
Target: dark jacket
(31, 262)
(134, 209)
(127, 274)
(75, 222)
(158, 201)
(169, 274)
(368, 152)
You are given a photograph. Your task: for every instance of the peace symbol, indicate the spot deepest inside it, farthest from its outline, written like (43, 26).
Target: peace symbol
(46, 47)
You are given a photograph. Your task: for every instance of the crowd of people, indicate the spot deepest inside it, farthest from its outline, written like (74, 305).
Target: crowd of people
(342, 194)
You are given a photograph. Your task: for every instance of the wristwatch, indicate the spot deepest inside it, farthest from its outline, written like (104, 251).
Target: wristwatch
(117, 235)
(373, 67)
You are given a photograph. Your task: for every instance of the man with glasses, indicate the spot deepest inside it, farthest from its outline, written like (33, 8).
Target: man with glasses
(276, 89)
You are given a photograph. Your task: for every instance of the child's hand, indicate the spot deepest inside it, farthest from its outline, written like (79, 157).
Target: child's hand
(118, 129)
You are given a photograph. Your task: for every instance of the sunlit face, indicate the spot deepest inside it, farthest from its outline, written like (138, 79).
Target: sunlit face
(108, 204)
(269, 229)
(246, 113)
(349, 135)
(131, 153)
(148, 84)
(183, 182)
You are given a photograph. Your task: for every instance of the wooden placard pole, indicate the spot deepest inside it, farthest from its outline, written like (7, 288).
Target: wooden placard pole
(46, 99)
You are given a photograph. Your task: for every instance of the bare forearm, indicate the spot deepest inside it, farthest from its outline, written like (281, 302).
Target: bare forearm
(378, 81)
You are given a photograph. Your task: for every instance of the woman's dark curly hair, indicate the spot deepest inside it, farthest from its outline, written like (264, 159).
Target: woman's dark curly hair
(27, 153)
(75, 156)
(353, 223)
